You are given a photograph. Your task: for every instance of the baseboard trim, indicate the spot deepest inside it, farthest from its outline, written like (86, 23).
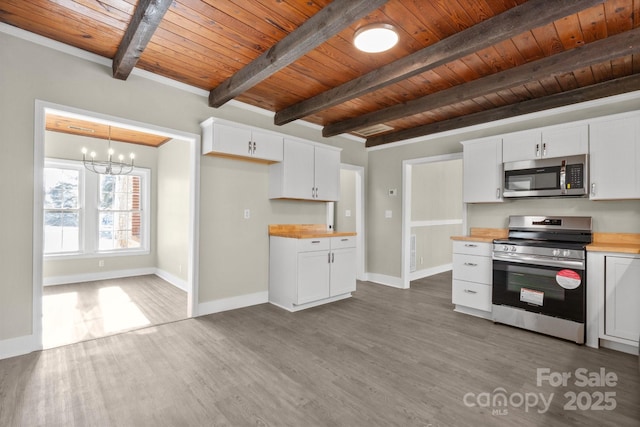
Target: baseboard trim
(381, 279)
(225, 304)
(18, 346)
(173, 280)
(617, 346)
(103, 275)
(421, 274)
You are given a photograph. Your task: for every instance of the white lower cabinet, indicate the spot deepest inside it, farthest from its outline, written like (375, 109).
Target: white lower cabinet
(307, 272)
(472, 278)
(622, 298)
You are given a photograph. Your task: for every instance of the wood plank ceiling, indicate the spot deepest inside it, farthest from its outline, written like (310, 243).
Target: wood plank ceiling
(458, 62)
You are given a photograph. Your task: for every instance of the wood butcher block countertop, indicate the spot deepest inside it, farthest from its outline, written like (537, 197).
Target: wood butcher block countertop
(305, 231)
(626, 243)
(485, 235)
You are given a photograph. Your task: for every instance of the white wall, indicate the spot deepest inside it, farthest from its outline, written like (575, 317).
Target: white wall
(233, 250)
(173, 213)
(347, 202)
(65, 146)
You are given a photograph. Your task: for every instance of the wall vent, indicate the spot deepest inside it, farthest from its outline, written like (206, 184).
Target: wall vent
(372, 130)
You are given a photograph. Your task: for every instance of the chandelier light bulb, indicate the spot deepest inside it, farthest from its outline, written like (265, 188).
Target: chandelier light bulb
(121, 157)
(93, 154)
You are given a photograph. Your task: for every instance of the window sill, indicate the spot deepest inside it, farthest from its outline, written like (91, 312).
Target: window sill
(105, 254)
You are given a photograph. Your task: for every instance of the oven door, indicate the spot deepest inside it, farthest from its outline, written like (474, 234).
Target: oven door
(550, 290)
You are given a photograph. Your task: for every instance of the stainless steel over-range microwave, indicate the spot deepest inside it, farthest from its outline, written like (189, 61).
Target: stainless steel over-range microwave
(562, 176)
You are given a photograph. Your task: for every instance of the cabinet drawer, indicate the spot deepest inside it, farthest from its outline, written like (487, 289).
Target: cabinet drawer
(473, 268)
(319, 244)
(471, 294)
(472, 248)
(343, 242)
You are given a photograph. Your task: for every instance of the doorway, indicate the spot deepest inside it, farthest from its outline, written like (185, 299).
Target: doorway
(103, 277)
(433, 211)
(348, 212)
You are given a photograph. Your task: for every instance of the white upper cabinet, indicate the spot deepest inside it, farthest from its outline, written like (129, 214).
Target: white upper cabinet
(482, 170)
(615, 157)
(557, 141)
(308, 171)
(236, 140)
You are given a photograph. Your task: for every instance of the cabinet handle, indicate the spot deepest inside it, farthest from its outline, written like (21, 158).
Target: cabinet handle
(593, 189)
(344, 240)
(471, 264)
(498, 193)
(254, 148)
(469, 291)
(333, 257)
(249, 147)
(315, 241)
(544, 149)
(470, 245)
(329, 258)
(537, 150)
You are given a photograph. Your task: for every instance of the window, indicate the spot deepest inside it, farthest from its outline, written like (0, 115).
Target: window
(62, 214)
(119, 212)
(86, 213)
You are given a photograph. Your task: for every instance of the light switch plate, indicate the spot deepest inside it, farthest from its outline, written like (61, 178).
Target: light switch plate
(247, 213)
(347, 212)
(388, 214)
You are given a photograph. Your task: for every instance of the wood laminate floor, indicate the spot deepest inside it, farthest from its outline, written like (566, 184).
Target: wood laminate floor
(386, 357)
(82, 311)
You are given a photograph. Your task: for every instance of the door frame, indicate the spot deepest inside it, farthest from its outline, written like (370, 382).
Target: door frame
(42, 108)
(406, 210)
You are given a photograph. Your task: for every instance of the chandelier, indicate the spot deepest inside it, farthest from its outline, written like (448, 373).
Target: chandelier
(109, 166)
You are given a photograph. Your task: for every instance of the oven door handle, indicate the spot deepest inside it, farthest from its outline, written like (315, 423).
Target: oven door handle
(540, 260)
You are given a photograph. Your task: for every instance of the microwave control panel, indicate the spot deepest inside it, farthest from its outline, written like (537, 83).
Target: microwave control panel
(575, 174)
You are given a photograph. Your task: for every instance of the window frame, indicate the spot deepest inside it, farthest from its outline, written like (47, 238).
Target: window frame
(90, 213)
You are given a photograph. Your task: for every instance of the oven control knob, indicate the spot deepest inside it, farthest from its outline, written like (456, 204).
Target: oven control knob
(566, 253)
(556, 252)
(513, 248)
(505, 248)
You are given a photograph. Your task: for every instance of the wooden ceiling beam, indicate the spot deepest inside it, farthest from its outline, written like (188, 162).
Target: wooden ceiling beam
(325, 24)
(508, 24)
(144, 22)
(600, 90)
(597, 52)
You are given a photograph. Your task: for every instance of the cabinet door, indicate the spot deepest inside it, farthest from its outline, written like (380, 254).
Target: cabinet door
(313, 276)
(267, 146)
(231, 140)
(565, 141)
(522, 146)
(622, 298)
(343, 271)
(298, 163)
(483, 171)
(327, 174)
(615, 158)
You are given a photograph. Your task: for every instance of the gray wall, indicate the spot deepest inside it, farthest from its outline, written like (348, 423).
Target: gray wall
(385, 171)
(233, 250)
(347, 202)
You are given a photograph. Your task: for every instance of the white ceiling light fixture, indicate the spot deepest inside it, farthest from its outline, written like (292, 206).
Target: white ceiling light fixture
(109, 166)
(375, 38)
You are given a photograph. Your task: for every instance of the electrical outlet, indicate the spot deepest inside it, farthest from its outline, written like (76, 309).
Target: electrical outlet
(247, 213)
(347, 212)
(388, 214)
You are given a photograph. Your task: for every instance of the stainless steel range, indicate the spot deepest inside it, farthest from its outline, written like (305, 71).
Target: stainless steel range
(539, 275)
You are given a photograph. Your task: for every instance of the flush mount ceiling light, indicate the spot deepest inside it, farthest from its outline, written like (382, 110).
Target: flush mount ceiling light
(375, 38)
